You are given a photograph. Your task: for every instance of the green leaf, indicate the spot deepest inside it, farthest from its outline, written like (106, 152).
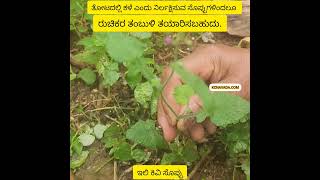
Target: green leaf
(123, 152)
(100, 67)
(86, 139)
(137, 68)
(145, 133)
(101, 38)
(182, 94)
(87, 57)
(246, 168)
(169, 158)
(153, 106)
(237, 138)
(199, 86)
(112, 131)
(201, 116)
(110, 142)
(190, 152)
(111, 136)
(239, 146)
(142, 35)
(143, 93)
(87, 42)
(75, 163)
(116, 42)
(77, 146)
(87, 129)
(73, 76)
(105, 65)
(147, 72)
(110, 77)
(228, 109)
(112, 150)
(222, 108)
(99, 130)
(155, 82)
(113, 66)
(133, 77)
(174, 147)
(87, 75)
(138, 155)
(88, 17)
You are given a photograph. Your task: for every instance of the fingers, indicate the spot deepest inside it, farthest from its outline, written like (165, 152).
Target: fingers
(169, 132)
(194, 105)
(184, 125)
(192, 129)
(169, 105)
(197, 131)
(209, 126)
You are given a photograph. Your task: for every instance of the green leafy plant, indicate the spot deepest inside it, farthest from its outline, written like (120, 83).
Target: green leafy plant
(79, 19)
(128, 58)
(183, 93)
(222, 108)
(105, 51)
(181, 153)
(82, 139)
(229, 112)
(124, 144)
(237, 140)
(145, 133)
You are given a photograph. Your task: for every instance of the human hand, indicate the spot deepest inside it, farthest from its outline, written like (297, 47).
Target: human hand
(213, 64)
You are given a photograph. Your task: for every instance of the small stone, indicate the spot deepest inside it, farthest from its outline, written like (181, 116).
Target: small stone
(244, 43)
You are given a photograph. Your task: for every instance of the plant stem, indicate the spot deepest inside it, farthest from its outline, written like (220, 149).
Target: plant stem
(112, 119)
(115, 169)
(197, 166)
(164, 99)
(99, 168)
(234, 168)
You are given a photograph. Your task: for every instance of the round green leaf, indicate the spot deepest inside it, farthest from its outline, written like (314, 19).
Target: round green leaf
(79, 160)
(86, 139)
(72, 76)
(87, 75)
(123, 152)
(183, 93)
(138, 155)
(110, 77)
(99, 130)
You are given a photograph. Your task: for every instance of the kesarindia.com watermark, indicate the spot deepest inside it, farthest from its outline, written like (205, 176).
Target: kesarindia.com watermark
(224, 87)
